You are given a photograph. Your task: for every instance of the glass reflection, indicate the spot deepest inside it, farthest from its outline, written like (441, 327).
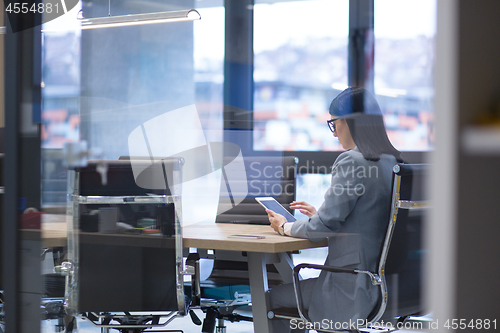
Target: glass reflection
(98, 88)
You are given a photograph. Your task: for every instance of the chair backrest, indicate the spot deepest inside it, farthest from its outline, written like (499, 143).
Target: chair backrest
(400, 265)
(136, 176)
(116, 270)
(266, 176)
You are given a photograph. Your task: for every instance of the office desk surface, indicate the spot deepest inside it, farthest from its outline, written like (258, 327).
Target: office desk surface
(215, 236)
(54, 230)
(221, 236)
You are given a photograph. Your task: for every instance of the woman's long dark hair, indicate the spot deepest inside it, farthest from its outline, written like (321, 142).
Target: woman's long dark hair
(363, 116)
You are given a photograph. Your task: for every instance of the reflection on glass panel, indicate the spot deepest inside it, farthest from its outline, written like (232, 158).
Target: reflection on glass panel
(404, 55)
(311, 188)
(151, 91)
(61, 81)
(61, 59)
(300, 60)
(209, 67)
(100, 85)
(131, 75)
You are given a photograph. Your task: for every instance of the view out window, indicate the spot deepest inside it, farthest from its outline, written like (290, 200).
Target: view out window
(61, 58)
(300, 64)
(61, 122)
(208, 53)
(404, 55)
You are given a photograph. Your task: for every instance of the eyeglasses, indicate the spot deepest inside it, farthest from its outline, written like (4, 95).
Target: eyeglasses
(331, 124)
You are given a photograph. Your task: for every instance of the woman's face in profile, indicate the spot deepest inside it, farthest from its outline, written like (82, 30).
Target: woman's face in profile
(343, 133)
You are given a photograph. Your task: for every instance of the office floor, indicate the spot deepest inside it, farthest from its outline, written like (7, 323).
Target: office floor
(183, 324)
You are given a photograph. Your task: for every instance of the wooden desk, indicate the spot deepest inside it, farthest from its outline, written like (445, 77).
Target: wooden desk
(54, 230)
(260, 252)
(217, 236)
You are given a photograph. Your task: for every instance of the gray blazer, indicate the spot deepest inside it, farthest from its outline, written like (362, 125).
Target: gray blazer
(357, 205)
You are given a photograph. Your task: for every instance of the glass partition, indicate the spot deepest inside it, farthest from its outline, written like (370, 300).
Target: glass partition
(100, 85)
(156, 91)
(146, 92)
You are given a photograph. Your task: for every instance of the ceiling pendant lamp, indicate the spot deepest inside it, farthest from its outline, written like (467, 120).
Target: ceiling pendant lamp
(139, 19)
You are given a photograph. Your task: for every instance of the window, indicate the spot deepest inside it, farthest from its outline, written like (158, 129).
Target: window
(61, 77)
(209, 68)
(404, 56)
(300, 64)
(61, 55)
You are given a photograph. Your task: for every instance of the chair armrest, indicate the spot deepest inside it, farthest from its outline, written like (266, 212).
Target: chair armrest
(333, 269)
(376, 280)
(295, 280)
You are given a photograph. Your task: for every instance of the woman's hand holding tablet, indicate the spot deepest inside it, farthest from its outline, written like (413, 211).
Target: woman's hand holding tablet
(275, 206)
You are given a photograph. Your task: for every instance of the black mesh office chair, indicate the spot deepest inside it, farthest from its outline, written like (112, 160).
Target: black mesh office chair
(399, 268)
(403, 268)
(129, 278)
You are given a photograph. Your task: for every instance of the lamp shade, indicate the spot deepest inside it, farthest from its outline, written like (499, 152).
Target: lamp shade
(138, 19)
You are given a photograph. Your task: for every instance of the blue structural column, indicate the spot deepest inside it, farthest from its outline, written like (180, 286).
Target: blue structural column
(238, 73)
(361, 44)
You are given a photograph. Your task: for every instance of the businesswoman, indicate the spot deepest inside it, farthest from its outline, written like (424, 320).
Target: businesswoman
(356, 205)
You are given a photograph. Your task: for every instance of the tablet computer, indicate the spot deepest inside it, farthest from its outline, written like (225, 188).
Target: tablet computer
(275, 206)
